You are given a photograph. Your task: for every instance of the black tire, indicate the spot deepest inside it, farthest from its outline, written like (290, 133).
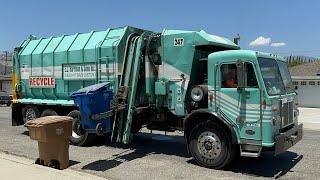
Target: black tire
(235, 153)
(137, 123)
(54, 164)
(79, 137)
(210, 145)
(8, 104)
(135, 127)
(49, 112)
(30, 113)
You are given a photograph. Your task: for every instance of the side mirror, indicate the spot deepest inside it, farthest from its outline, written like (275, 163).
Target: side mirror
(240, 75)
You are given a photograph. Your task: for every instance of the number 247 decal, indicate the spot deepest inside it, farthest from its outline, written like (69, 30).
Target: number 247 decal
(178, 42)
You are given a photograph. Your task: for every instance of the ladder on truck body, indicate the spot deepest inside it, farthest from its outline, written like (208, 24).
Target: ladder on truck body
(124, 105)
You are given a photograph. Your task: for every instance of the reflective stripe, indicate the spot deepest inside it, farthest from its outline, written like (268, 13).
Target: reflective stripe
(233, 101)
(248, 113)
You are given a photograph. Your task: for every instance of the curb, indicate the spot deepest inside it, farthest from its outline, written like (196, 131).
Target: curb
(54, 173)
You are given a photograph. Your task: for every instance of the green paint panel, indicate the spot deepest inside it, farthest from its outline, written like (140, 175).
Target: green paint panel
(160, 88)
(96, 38)
(80, 42)
(66, 43)
(41, 46)
(53, 44)
(30, 47)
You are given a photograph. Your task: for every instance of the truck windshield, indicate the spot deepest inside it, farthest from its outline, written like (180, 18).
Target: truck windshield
(286, 77)
(272, 76)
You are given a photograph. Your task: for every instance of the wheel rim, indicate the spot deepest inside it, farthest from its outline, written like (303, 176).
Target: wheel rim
(209, 145)
(30, 114)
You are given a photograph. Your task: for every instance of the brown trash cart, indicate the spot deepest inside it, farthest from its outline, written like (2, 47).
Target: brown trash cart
(52, 134)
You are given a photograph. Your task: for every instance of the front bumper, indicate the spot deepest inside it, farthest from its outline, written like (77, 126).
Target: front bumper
(287, 139)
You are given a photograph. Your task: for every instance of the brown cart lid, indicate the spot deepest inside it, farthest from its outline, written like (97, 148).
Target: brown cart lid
(48, 120)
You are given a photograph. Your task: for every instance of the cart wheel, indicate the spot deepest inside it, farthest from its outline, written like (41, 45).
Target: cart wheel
(79, 136)
(100, 129)
(37, 161)
(54, 164)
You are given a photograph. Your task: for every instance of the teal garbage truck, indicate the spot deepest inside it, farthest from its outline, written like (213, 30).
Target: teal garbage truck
(228, 101)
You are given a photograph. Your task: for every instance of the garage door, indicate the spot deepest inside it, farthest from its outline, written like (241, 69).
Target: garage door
(308, 93)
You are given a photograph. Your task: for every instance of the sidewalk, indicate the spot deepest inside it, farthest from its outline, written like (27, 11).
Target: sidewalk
(310, 117)
(19, 168)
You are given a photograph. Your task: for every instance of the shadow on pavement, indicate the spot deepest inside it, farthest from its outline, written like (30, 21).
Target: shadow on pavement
(267, 165)
(144, 144)
(72, 162)
(103, 165)
(26, 133)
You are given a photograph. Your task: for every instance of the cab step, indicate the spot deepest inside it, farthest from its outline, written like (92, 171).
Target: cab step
(250, 150)
(250, 154)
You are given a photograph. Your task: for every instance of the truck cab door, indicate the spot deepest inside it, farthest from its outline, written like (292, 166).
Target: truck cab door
(240, 105)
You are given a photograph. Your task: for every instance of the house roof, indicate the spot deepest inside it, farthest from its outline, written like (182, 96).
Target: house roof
(306, 69)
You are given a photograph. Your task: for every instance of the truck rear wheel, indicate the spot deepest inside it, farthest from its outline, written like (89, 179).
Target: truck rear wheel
(210, 145)
(79, 136)
(30, 113)
(49, 112)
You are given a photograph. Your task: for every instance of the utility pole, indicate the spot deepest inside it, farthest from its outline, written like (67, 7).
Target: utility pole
(6, 62)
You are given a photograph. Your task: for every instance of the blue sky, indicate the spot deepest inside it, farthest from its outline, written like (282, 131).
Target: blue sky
(292, 26)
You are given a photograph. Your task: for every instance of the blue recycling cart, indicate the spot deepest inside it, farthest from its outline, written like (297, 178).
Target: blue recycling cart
(94, 105)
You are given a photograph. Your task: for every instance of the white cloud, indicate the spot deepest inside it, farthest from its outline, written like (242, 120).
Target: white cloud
(278, 44)
(260, 41)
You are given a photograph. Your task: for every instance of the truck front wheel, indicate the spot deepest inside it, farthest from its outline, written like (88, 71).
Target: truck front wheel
(79, 136)
(210, 145)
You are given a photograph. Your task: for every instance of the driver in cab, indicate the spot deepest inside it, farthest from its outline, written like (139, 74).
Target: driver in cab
(230, 81)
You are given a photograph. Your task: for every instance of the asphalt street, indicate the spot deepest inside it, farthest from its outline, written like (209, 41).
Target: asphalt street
(155, 156)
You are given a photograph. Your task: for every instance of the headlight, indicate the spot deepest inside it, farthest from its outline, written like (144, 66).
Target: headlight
(197, 94)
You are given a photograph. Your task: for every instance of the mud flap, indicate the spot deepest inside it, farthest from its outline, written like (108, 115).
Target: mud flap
(16, 114)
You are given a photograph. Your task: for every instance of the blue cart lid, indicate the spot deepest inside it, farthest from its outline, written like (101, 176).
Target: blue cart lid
(92, 88)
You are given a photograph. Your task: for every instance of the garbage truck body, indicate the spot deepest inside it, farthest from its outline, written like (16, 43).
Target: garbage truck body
(227, 101)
